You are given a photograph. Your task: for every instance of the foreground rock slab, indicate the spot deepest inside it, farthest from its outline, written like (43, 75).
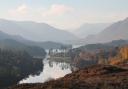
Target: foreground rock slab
(94, 77)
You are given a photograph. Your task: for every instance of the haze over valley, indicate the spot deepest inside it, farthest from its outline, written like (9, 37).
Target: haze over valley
(59, 44)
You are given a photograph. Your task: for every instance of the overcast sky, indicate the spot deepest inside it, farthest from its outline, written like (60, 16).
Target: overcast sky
(65, 14)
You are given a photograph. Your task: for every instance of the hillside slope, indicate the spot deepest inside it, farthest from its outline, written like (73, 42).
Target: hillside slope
(16, 65)
(116, 31)
(90, 29)
(95, 77)
(13, 45)
(107, 53)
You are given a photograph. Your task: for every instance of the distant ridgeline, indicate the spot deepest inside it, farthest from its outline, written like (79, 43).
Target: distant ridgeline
(16, 65)
(114, 53)
(7, 40)
(34, 51)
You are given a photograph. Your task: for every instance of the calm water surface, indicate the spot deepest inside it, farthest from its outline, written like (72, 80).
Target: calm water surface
(52, 70)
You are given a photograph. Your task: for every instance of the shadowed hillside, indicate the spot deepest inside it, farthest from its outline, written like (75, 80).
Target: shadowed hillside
(16, 65)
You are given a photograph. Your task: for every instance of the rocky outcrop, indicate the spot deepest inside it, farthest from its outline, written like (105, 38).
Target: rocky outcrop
(94, 77)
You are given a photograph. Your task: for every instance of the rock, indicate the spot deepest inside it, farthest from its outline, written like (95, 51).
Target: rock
(94, 77)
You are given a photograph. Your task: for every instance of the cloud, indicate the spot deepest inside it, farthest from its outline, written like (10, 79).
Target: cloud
(57, 9)
(20, 10)
(63, 16)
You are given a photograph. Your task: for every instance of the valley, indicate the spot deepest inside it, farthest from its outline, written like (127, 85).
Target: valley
(37, 55)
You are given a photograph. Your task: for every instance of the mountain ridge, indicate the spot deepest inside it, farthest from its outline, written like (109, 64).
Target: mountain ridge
(35, 31)
(116, 31)
(89, 29)
(45, 45)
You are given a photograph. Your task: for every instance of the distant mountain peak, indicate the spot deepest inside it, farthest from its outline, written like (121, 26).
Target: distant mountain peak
(90, 29)
(116, 31)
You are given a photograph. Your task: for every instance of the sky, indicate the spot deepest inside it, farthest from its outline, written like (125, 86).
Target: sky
(64, 14)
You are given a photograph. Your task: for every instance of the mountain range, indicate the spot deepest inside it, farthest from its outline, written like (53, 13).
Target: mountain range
(116, 31)
(35, 31)
(89, 29)
(46, 45)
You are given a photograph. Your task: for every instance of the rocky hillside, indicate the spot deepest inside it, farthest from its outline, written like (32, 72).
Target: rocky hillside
(94, 77)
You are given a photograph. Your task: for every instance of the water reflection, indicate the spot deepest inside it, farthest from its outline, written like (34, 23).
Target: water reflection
(63, 66)
(52, 70)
